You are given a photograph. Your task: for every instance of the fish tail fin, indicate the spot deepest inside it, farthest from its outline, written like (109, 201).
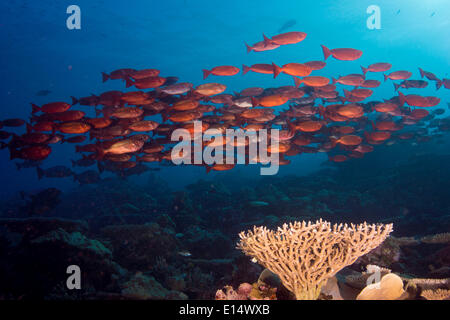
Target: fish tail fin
(40, 172)
(385, 77)
(333, 80)
(35, 108)
(208, 169)
(297, 81)
(326, 52)
(206, 73)
(322, 109)
(421, 72)
(364, 70)
(165, 115)
(267, 41)
(245, 69)
(292, 127)
(396, 86)
(105, 77)
(438, 84)
(334, 141)
(100, 166)
(249, 49)
(347, 93)
(276, 70)
(74, 100)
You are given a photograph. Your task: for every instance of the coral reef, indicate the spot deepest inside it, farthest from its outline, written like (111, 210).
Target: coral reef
(133, 235)
(141, 287)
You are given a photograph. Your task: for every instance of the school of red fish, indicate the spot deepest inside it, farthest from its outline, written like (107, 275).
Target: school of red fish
(121, 139)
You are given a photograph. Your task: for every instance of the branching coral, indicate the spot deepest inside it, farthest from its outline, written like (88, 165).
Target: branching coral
(304, 255)
(438, 294)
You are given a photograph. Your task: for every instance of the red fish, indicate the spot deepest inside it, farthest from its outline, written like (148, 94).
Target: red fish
(145, 73)
(12, 122)
(350, 80)
(146, 83)
(411, 84)
(445, 82)
(36, 153)
(293, 69)
(86, 101)
(69, 115)
(350, 140)
(385, 107)
(145, 125)
(428, 75)
(398, 75)
(338, 158)
(259, 68)
(117, 74)
(377, 136)
(350, 111)
(370, 84)
(270, 101)
(42, 126)
(316, 65)
(418, 114)
(261, 46)
(253, 91)
(312, 81)
(75, 127)
(210, 89)
(415, 100)
(53, 107)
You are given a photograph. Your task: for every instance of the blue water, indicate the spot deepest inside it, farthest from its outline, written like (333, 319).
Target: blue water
(182, 37)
